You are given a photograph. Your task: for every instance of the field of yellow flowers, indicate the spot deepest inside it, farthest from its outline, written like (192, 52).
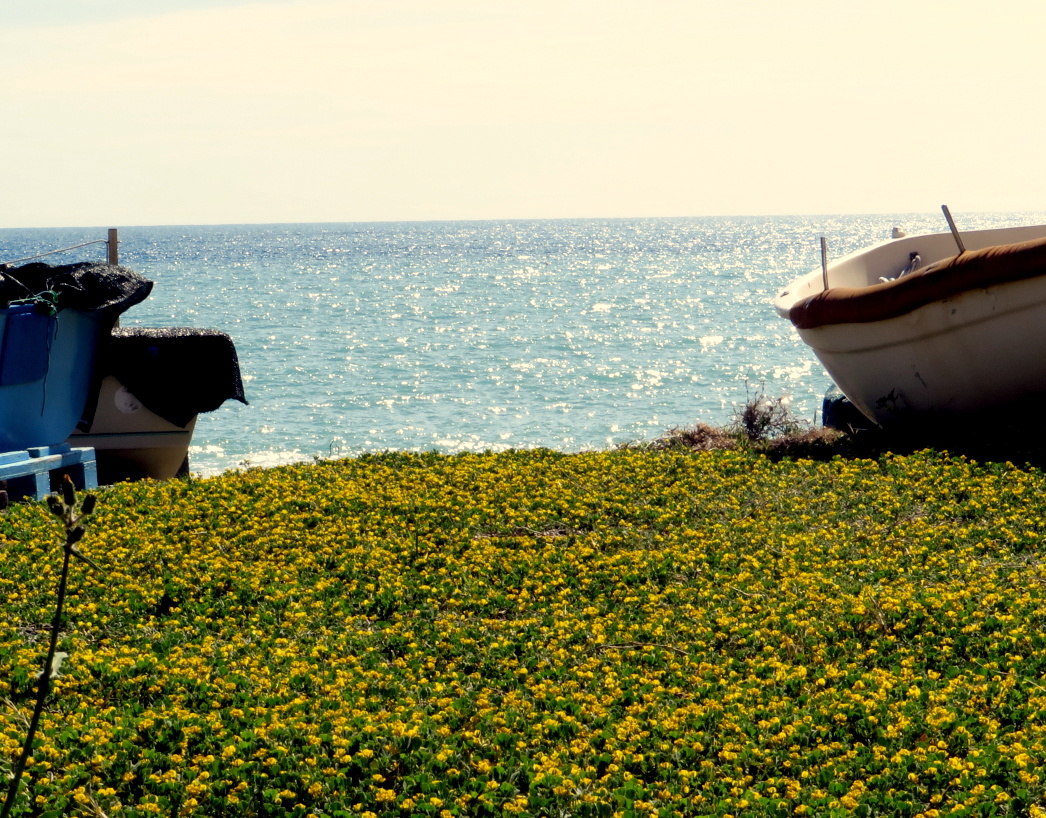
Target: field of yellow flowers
(619, 633)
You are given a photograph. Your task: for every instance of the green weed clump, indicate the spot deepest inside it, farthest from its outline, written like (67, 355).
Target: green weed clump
(614, 633)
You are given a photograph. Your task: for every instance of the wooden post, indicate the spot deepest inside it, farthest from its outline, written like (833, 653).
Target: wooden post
(113, 256)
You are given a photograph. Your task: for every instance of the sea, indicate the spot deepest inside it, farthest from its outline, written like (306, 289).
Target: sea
(569, 334)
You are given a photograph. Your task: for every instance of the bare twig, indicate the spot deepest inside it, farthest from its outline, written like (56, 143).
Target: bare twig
(64, 508)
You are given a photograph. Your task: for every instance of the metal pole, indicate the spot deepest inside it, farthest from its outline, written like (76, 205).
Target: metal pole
(113, 255)
(955, 232)
(824, 262)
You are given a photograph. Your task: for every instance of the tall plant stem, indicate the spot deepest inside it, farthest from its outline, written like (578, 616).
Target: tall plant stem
(42, 689)
(73, 532)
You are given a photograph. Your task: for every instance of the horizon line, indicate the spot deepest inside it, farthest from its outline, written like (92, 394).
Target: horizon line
(905, 213)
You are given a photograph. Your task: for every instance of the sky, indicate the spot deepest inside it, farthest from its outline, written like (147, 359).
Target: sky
(135, 112)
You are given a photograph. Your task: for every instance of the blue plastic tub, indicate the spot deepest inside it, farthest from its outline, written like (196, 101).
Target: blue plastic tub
(46, 367)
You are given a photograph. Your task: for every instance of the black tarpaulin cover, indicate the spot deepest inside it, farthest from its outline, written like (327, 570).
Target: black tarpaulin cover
(88, 286)
(176, 372)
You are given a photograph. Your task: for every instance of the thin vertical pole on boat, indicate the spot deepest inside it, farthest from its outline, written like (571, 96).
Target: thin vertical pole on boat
(955, 231)
(113, 247)
(824, 262)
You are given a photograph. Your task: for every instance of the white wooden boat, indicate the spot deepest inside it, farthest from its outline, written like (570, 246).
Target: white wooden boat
(961, 336)
(154, 381)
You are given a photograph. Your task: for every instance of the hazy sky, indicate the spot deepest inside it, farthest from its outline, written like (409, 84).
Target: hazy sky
(126, 112)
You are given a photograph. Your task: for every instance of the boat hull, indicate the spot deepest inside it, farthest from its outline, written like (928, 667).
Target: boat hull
(47, 363)
(976, 354)
(130, 441)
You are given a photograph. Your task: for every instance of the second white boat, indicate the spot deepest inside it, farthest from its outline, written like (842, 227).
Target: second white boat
(917, 334)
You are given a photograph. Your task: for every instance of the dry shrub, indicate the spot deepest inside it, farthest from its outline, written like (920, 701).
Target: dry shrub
(811, 443)
(762, 419)
(699, 438)
(763, 424)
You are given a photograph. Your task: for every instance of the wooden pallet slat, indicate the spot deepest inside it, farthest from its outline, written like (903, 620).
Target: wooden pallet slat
(34, 473)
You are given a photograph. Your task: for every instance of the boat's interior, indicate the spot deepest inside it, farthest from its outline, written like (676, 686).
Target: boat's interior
(878, 282)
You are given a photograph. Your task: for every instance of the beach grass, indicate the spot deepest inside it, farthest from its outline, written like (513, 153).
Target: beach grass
(629, 632)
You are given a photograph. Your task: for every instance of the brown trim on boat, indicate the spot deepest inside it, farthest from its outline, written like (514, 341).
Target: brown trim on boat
(943, 279)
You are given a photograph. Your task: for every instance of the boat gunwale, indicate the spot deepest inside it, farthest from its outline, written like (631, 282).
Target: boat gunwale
(943, 279)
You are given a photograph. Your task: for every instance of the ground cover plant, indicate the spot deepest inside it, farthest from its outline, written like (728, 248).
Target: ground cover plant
(631, 632)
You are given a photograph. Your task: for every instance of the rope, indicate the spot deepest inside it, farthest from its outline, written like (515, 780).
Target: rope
(46, 302)
(52, 252)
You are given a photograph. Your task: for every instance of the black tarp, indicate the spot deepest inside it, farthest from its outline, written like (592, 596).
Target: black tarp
(176, 372)
(88, 286)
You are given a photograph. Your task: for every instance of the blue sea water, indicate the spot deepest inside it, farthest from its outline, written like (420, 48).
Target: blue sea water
(568, 334)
